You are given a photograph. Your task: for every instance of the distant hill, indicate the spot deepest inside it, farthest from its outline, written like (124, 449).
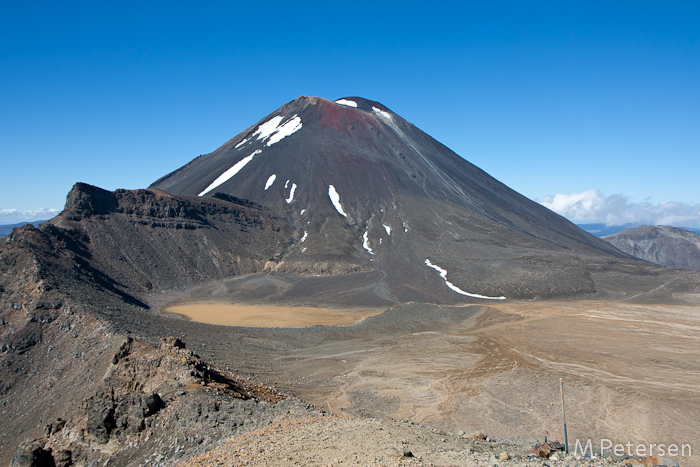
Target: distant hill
(663, 244)
(601, 230)
(6, 229)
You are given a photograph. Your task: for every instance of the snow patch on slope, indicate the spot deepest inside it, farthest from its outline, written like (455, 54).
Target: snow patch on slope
(291, 194)
(443, 274)
(230, 172)
(381, 112)
(365, 243)
(335, 199)
(291, 126)
(267, 128)
(270, 181)
(387, 228)
(273, 131)
(303, 238)
(347, 102)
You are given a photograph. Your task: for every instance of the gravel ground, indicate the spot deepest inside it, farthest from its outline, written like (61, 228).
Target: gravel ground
(334, 441)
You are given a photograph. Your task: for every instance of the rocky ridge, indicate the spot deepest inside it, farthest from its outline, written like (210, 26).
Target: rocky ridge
(71, 290)
(162, 402)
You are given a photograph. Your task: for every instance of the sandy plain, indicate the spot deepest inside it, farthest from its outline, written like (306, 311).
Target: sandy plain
(631, 370)
(270, 316)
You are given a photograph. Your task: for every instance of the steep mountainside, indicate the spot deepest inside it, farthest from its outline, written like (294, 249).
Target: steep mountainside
(71, 289)
(661, 244)
(364, 186)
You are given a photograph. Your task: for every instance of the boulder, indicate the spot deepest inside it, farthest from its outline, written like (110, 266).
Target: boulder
(33, 455)
(63, 458)
(542, 451)
(100, 422)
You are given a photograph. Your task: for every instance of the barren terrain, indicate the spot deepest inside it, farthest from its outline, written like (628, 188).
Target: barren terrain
(268, 316)
(349, 280)
(81, 294)
(631, 370)
(335, 441)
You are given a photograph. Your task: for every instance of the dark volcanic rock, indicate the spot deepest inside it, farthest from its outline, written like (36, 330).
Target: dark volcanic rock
(24, 339)
(72, 288)
(63, 458)
(200, 404)
(33, 455)
(661, 244)
(145, 239)
(107, 415)
(89, 200)
(6, 229)
(366, 187)
(100, 418)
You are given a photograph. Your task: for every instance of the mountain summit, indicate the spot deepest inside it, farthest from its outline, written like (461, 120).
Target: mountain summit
(368, 192)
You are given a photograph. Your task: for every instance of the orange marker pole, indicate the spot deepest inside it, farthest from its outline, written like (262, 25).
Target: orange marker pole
(563, 414)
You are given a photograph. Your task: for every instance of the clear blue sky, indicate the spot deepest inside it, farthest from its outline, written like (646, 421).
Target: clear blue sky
(548, 97)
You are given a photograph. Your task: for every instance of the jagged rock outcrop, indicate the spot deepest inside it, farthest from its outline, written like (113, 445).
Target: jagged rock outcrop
(72, 288)
(34, 455)
(148, 239)
(162, 400)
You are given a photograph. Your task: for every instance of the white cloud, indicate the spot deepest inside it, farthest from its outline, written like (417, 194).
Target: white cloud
(15, 216)
(592, 206)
